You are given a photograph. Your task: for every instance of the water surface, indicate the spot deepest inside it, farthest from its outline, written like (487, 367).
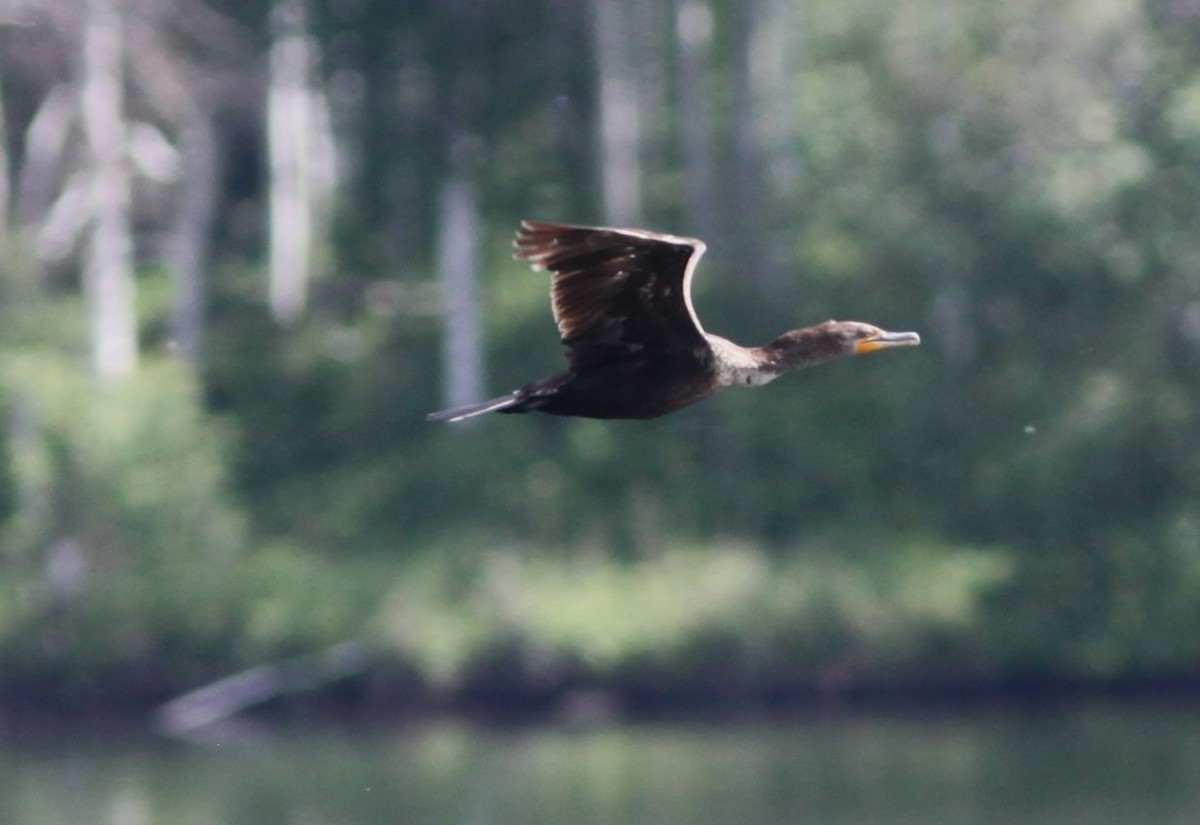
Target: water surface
(1094, 765)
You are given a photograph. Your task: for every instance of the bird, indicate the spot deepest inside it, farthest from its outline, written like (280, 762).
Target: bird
(635, 348)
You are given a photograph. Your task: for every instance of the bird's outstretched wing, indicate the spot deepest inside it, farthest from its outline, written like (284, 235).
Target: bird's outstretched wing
(617, 293)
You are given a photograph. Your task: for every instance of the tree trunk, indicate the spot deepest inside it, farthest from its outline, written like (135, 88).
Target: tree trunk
(459, 228)
(620, 126)
(188, 255)
(300, 149)
(693, 32)
(5, 186)
(751, 195)
(777, 55)
(765, 165)
(108, 267)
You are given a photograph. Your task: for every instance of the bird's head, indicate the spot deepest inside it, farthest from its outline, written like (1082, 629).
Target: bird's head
(855, 338)
(832, 339)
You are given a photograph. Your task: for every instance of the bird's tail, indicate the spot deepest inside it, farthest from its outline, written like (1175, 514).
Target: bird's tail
(500, 404)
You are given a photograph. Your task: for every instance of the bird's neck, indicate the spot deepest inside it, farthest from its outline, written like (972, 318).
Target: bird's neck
(739, 366)
(795, 350)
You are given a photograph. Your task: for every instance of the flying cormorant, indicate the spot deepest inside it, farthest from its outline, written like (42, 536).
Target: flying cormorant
(634, 346)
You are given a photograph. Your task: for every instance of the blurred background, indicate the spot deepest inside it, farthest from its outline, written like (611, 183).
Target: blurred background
(246, 245)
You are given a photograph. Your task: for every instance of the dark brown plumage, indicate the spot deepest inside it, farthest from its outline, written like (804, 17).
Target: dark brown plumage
(634, 346)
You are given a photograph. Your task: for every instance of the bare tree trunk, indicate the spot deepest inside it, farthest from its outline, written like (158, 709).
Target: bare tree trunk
(300, 148)
(291, 225)
(749, 185)
(5, 186)
(459, 229)
(109, 264)
(776, 57)
(188, 255)
(620, 126)
(765, 164)
(167, 86)
(693, 32)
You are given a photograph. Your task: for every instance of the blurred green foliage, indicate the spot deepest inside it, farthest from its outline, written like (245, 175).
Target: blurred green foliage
(691, 620)
(1018, 497)
(121, 539)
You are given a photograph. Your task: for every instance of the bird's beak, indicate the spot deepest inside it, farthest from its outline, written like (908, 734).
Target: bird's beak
(886, 339)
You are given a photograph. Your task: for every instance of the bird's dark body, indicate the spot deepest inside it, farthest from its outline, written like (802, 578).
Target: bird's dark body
(634, 346)
(645, 387)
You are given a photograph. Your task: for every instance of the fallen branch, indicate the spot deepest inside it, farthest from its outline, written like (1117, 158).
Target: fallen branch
(219, 700)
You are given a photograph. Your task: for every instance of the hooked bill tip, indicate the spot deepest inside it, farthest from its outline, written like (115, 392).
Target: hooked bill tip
(910, 338)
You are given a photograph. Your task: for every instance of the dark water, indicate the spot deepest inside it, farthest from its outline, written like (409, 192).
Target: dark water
(1094, 765)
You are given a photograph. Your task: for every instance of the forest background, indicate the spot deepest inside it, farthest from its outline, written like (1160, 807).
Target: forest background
(246, 246)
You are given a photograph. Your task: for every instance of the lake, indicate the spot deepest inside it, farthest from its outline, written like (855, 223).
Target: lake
(1093, 764)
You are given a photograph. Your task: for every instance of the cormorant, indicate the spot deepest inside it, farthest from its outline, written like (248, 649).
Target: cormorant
(634, 346)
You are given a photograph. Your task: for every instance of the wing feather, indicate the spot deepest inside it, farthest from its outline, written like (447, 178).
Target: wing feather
(616, 292)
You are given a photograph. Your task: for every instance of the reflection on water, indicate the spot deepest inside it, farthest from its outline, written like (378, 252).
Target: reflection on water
(1110, 764)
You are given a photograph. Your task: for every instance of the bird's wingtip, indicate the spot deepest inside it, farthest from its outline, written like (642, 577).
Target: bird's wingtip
(449, 416)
